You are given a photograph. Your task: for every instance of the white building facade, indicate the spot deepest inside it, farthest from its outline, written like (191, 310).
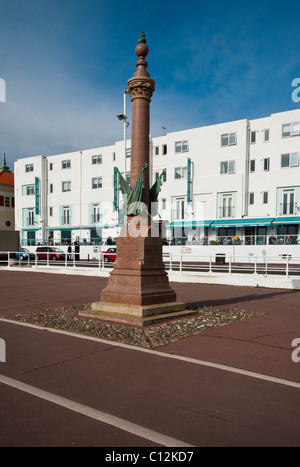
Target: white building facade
(235, 182)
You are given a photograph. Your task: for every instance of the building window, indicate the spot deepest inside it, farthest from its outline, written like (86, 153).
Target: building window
(227, 207)
(181, 146)
(228, 167)
(290, 160)
(66, 164)
(266, 164)
(288, 205)
(66, 218)
(252, 165)
(29, 190)
(164, 177)
(288, 233)
(290, 129)
(66, 237)
(266, 135)
(253, 137)
(163, 203)
(96, 238)
(265, 197)
(228, 139)
(66, 186)
(51, 211)
(179, 208)
(51, 166)
(97, 159)
(30, 217)
(156, 150)
(128, 152)
(127, 177)
(180, 172)
(29, 168)
(251, 198)
(96, 215)
(164, 149)
(96, 182)
(114, 156)
(51, 188)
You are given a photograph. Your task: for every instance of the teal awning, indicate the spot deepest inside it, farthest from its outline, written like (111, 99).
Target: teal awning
(286, 220)
(190, 224)
(258, 222)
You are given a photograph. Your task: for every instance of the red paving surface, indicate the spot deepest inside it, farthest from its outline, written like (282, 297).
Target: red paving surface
(196, 404)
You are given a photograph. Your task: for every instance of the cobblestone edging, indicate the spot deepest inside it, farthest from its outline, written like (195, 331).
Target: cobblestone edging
(205, 318)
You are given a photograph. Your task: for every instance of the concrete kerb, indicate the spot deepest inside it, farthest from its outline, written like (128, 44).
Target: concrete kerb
(242, 280)
(95, 272)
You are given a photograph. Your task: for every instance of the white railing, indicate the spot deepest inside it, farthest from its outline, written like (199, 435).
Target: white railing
(49, 259)
(279, 239)
(220, 263)
(229, 264)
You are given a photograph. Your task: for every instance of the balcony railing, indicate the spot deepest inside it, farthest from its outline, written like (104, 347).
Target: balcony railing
(30, 221)
(203, 241)
(288, 209)
(96, 218)
(65, 220)
(226, 212)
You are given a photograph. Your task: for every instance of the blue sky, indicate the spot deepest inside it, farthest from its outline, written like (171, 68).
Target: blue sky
(66, 63)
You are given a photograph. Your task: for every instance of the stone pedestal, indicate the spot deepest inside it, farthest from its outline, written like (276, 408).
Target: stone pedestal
(139, 277)
(138, 290)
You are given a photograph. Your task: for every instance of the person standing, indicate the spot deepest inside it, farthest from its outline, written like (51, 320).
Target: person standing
(77, 249)
(69, 251)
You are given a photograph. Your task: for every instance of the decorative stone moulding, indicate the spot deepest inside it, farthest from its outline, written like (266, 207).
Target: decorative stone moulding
(142, 88)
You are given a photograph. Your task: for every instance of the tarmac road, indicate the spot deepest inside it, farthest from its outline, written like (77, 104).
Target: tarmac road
(233, 386)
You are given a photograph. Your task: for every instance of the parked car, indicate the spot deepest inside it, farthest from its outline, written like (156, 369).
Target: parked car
(4, 255)
(23, 254)
(110, 255)
(51, 252)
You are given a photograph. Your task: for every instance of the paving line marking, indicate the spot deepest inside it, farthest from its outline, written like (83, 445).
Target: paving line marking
(195, 361)
(98, 415)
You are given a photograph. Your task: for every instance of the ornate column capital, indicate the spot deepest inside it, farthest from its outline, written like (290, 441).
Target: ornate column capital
(141, 88)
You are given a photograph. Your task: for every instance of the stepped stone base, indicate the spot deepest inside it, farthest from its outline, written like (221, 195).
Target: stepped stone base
(136, 314)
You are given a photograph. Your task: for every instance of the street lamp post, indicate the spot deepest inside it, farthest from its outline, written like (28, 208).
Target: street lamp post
(124, 117)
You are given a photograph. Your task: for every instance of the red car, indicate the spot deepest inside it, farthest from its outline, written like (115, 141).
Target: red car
(4, 255)
(110, 255)
(45, 252)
